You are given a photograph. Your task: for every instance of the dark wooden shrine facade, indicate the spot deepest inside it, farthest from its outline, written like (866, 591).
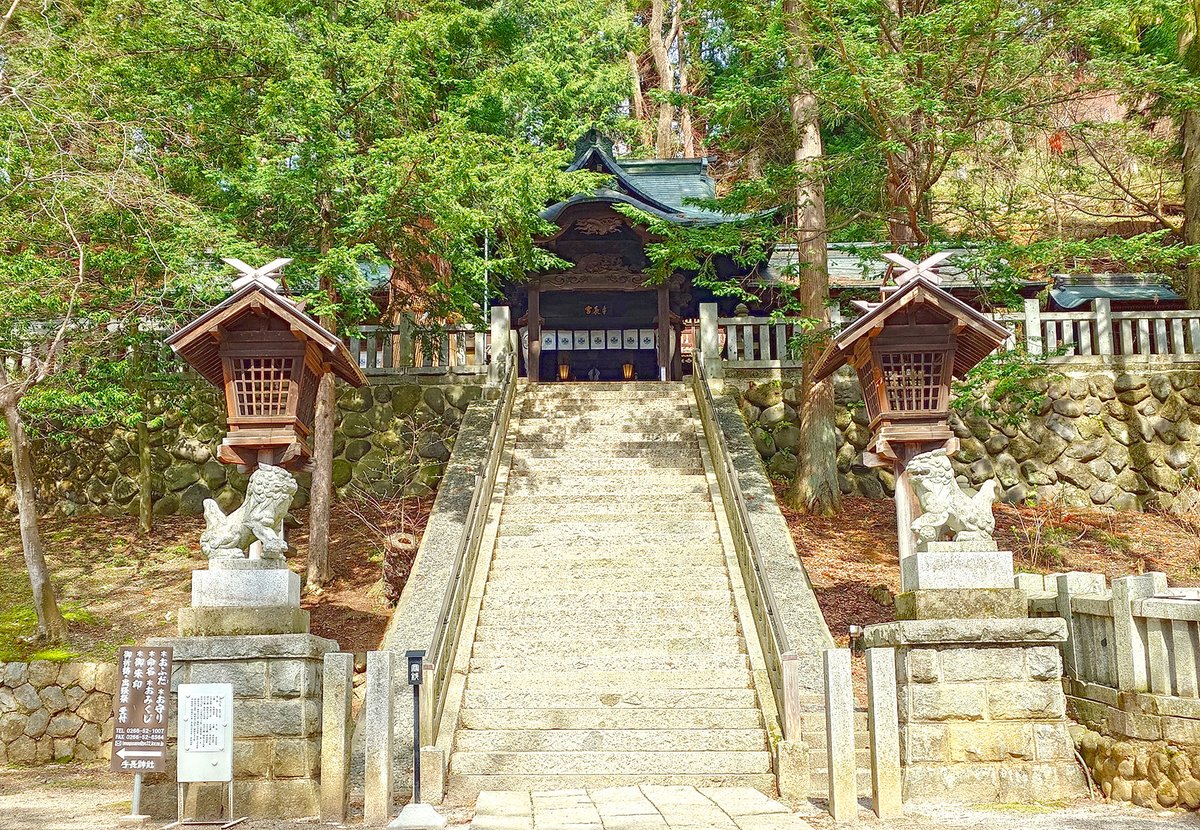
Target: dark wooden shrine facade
(604, 318)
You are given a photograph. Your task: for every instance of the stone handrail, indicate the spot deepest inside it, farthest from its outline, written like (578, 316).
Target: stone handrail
(790, 628)
(439, 659)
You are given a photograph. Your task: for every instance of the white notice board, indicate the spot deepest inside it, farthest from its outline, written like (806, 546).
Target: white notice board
(205, 732)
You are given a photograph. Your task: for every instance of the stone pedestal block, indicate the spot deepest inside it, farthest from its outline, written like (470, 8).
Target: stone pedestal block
(245, 583)
(956, 565)
(981, 709)
(235, 621)
(962, 603)
(276, 682)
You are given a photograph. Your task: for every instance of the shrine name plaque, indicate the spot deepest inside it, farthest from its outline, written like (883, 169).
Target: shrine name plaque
(205, 732)
(141, 709)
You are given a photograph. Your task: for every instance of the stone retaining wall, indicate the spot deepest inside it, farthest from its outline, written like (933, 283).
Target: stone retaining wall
(55, 711)
(1136, 754)
(393, 435)
(1122, 440)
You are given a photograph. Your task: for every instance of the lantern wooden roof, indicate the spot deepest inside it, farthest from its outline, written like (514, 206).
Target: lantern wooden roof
(199, 342)
(918, 302)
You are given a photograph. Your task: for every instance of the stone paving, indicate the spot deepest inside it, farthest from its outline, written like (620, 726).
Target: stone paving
(635, 808)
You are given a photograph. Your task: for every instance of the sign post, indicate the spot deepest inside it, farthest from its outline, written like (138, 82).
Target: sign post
(140, 713)
(205, 745)
(415, 815)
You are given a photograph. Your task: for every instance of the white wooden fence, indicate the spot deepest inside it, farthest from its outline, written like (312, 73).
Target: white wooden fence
(1101, 332)
(1093, 335)
(460, 350)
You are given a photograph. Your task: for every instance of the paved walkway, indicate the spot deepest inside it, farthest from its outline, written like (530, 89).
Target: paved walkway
(730, 808)
(634, 808)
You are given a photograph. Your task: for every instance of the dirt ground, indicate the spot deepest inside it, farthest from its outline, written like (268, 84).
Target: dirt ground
(852, 558)
(117, 586)
(88, 797)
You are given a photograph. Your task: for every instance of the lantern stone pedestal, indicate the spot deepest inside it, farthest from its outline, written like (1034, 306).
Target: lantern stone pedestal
(246, 628)
(944, 580)
(981, 709)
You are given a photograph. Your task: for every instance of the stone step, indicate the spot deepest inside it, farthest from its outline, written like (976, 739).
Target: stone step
(608, 682)
(530, 488)
(548, 435)
(589, 463)
(601, 387)
(603, 763)
(518, 582)
(606, 664)
(695, 509)
(650, 646)
(818, 783)
(654, 454)
(636, 602)
(521, 552)
(591, 699)
(664, 531)
(612, 718)
(502, 630)
(615, 444)
(611, 740)
(583, 408)
(466, 788)
(599, 619)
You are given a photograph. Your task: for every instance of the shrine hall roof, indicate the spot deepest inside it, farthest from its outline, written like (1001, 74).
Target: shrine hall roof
(661, 187)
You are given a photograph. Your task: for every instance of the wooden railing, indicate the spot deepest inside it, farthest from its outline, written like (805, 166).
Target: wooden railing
(461, 350)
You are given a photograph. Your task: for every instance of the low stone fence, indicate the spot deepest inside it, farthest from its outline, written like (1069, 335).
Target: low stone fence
(53, 712)
(1125, 441)
(1131, 664)
(394, 436)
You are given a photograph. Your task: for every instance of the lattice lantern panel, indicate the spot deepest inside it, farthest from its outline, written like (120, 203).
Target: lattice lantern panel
(914, 381)
(261, 385)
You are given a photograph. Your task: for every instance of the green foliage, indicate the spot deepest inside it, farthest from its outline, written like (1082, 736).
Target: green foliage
(1007, 387)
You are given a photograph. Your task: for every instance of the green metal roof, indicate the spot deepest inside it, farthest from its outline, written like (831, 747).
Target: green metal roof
(1076, 290)
(661, 187)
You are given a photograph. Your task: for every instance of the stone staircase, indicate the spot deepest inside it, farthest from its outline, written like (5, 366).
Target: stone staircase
(608, 650)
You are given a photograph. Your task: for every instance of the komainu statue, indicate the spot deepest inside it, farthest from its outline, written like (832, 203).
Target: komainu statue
(945, 507)
(268, 497)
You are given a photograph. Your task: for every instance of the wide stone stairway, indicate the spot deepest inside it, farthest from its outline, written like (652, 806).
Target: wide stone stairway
(608, 650)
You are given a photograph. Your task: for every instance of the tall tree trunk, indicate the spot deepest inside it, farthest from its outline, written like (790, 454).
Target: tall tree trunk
(1190, 50)
(637, 98)
(51, 625)
(815, 486)
(685, 109)
(145, 496)
(320, 572)
(660, 47)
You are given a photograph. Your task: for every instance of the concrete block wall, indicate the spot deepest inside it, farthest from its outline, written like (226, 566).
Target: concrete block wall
(1104, 438)
(53, 712)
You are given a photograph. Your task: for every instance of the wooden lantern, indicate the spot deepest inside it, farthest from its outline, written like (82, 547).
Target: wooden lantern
(907, 351)
(269, 357)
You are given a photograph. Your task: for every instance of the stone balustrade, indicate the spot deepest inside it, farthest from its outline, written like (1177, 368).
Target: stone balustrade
(1131, 681)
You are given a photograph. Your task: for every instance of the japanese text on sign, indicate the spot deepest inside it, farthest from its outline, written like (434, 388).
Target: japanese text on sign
(140, 709)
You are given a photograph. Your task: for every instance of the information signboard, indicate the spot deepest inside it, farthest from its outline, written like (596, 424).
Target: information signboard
(205, 732)
(140, 710)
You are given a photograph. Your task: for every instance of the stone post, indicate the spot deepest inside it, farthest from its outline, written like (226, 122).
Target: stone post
(377, 804)
(337, 730)
(1069, 585)
(710, 342)
(1104, 325)
(1129, 646)
(501, 323)
(1033, 326)
(839, 735)
(884, 726)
